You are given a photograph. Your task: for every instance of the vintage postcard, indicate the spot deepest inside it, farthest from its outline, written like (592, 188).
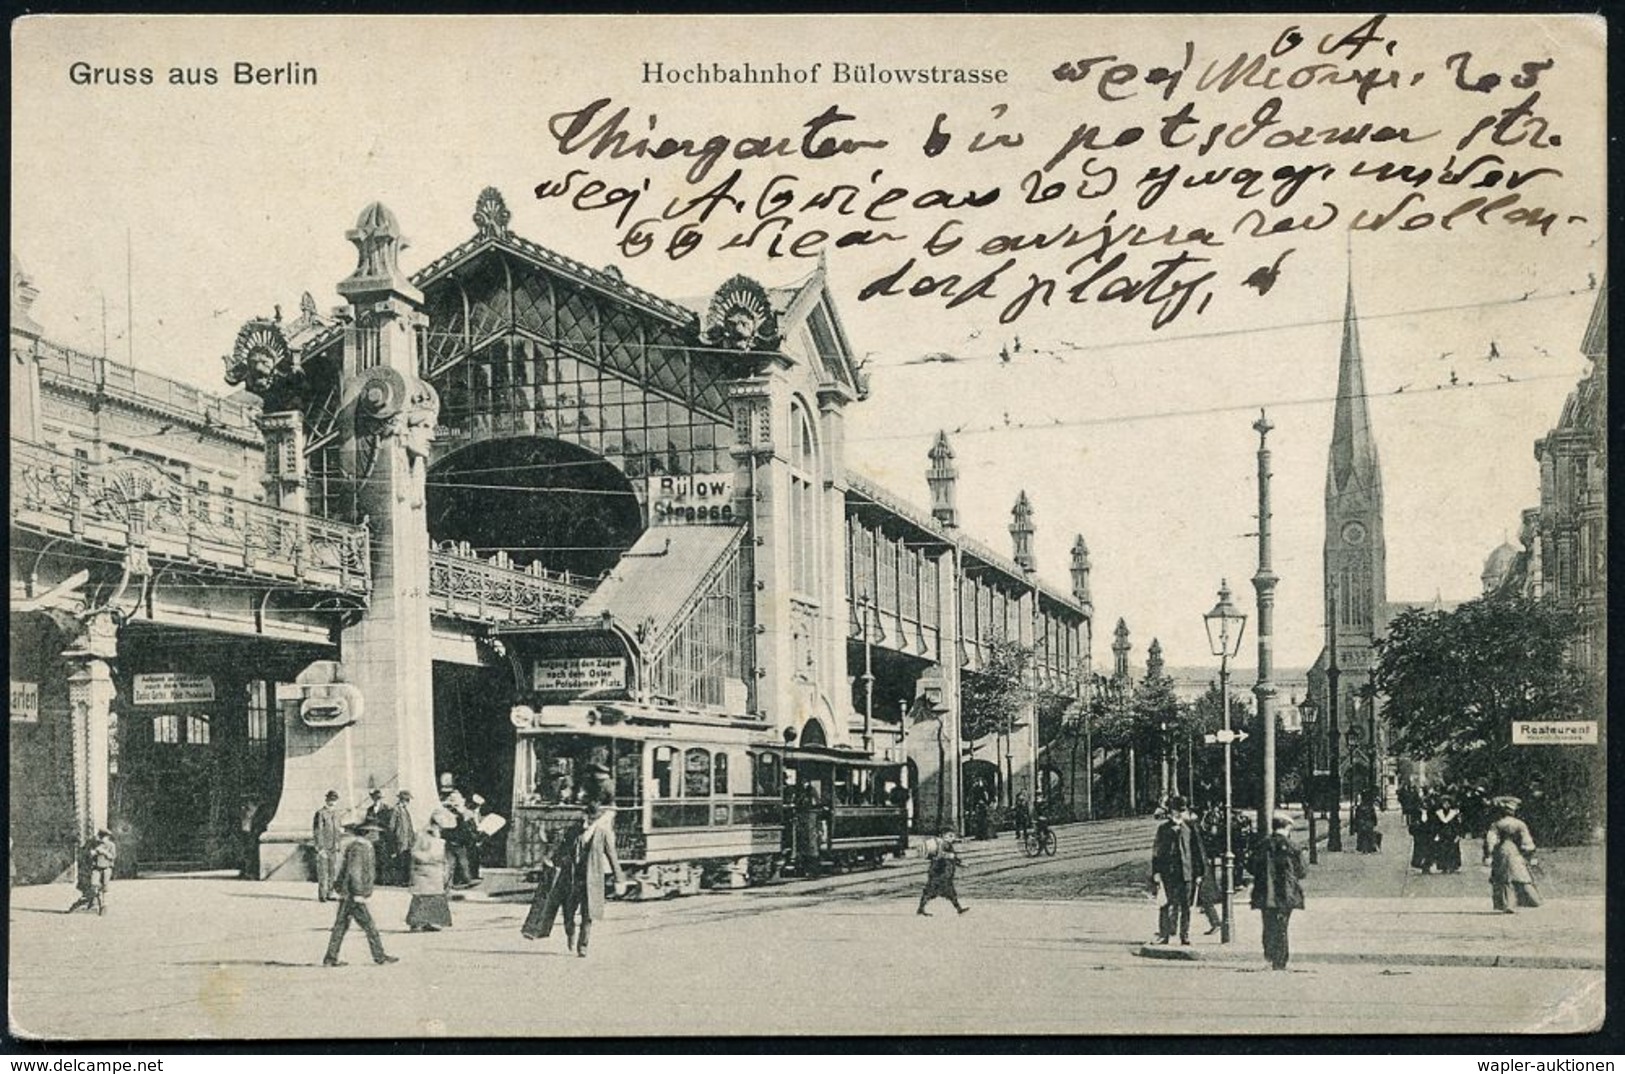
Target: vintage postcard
(705, 526)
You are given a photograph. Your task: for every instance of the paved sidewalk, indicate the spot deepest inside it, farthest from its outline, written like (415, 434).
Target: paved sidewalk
(1373, 908)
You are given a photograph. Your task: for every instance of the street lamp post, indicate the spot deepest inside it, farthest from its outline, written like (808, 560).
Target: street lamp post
(1225, 625)
(1310, 712)
(1334, 832)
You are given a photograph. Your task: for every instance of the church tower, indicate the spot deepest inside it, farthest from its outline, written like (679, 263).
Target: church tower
(1356, 556)
(1355, 569)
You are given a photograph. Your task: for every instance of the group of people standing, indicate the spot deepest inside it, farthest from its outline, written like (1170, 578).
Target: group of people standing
(1182, 875)
(385, 847)
(1438, 819)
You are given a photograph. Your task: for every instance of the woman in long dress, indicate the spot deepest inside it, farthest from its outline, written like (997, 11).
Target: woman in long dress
(1509, 851)
(430, 911)
(1448, 828)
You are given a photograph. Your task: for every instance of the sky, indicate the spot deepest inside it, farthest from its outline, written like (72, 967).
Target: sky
(189, 209)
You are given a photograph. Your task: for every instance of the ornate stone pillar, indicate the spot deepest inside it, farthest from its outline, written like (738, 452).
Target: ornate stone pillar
(90, 701)
(369, 722)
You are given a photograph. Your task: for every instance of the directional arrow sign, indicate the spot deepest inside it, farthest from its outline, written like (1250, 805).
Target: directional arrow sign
(1225, 736)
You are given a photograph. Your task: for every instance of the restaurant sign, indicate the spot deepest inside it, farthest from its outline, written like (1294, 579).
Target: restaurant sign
(1554, 732)
(691, 499)
(581, 675)
(171, 688)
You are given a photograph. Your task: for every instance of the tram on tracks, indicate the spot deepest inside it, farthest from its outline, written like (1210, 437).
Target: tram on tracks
(701, 802)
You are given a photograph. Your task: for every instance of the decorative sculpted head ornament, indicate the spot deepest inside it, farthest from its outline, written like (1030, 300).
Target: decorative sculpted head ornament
(741, 317)
(260, 351)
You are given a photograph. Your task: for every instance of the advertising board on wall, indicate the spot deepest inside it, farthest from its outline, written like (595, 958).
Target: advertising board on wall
(172, 687)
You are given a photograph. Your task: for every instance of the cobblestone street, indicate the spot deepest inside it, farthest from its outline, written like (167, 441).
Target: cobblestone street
(215, 957)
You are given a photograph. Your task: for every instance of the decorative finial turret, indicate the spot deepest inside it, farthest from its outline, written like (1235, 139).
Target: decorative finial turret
(1080, 572)
(1021, 532)
(941, 477)
(1120, 648)
(378, 243)
(1153, 660)
(491, 214)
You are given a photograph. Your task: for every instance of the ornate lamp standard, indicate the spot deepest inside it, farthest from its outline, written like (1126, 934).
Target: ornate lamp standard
(1225, 625)
(1309, 712)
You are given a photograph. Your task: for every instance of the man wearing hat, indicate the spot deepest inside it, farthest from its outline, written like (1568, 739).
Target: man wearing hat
(403, 834)
(382, 837)
(324, 835)
(1177, 857)
(353, 884)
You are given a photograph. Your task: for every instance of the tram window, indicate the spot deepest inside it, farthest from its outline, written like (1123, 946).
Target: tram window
(767, 775)
(626, 777)
(697, 773)
(721, 769)
(197, 730)
(166, 729)
(664, 787)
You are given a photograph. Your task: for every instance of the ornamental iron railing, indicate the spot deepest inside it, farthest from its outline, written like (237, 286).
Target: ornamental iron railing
(465, 585)
(130, 503)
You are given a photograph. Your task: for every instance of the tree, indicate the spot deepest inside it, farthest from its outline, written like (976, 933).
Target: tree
(990, 698)
(1455, 683)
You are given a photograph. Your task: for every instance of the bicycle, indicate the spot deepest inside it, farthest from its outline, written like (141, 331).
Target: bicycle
(1038, 839)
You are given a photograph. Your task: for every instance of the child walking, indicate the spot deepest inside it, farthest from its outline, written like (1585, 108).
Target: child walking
(939, 879)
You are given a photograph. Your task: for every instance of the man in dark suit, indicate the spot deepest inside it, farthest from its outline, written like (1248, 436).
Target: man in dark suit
(353, 885)
(405, 834)
(1177, 858)
(325, 833)
(382, 837)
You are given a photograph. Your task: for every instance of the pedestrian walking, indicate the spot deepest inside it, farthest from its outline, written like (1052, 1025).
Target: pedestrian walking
(1509, 851)
(248, 835)
(582, 855)
(1421, 829)
(404, 836)
(1177, 857)
(325, 834)
(939, 876)
(1367, 835)
(430, 910)
(1447, 826)
(475, 836)
(1277, 868)
(809, 849)
(558, 873)
(1207, 891)
(96, 873)
(459, 842)
(353, 883)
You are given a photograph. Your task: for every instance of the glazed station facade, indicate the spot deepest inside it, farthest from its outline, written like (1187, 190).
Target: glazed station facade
(513, 519)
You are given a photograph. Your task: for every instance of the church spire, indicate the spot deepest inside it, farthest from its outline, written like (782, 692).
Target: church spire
(1354, 449)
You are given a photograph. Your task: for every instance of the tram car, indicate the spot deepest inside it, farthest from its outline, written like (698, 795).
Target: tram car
(700, 802)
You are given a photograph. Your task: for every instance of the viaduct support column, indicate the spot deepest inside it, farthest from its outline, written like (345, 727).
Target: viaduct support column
(386, 737)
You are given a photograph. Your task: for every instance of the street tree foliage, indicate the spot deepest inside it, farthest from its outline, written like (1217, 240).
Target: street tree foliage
(1456, 681)
(1053, 724)
(992, 696)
